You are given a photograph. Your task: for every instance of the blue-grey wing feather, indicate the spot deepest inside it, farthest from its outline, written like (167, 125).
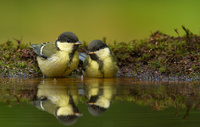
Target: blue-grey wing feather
(82, 56)
(37, 48)
(48, 49)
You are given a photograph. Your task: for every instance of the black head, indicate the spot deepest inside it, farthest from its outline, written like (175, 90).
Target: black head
(96, 110)
(96, 45)
(68, 120)
(68, 37)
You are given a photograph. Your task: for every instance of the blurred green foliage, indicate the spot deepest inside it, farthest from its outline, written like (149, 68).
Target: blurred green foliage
(41, 21)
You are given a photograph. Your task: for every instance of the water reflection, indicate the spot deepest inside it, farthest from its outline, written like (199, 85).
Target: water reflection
(140, 103)
(60, 100)
(162, 95)
(100, 93)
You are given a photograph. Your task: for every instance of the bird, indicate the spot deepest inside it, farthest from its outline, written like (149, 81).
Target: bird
(60, 100)
(100, 61)
(101, 93)
(59, 58)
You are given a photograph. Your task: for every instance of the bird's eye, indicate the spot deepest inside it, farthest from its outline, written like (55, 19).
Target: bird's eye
(97, 48)
(68, 40)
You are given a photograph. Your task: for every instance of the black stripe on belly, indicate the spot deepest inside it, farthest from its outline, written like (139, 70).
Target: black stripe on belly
(71, 56)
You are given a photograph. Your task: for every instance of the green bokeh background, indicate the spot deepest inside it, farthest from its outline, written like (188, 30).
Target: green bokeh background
(38, 21)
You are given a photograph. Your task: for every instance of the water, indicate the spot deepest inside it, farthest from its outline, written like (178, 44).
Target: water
(112, 102)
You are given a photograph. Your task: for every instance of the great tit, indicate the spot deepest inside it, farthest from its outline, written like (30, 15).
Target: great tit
(59, 100)
(58, 58)
(100, 92)
(101, 61)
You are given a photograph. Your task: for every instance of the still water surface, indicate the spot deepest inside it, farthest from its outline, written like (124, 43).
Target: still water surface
(90, 102)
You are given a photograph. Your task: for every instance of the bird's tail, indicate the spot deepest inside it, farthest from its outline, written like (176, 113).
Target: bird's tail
(36, 48)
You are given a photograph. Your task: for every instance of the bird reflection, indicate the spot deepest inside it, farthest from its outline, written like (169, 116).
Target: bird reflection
(59, 100)
(100, 93)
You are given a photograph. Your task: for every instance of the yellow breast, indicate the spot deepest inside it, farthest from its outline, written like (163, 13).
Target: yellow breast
(109, 68)
(58, 65)
(93, 69)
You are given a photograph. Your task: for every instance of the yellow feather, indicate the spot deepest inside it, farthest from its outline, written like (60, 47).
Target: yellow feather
(58, 65)
(110, 67)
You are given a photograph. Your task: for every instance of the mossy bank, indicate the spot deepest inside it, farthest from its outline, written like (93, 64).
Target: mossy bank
(159, 57)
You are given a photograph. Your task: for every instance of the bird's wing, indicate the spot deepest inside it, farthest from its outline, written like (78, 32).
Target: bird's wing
(49, 49)
(86, 62)
(36, 48)
(45, 50)
(114, 58)
(82, 56)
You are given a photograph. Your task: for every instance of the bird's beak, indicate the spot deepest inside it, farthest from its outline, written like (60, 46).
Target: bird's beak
(90, 103)
(78, 43)
(90, 53)
(78, 114)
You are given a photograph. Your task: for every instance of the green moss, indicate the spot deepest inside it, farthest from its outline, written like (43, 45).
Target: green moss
(195, 68)
(22, 64)
(162, 69)
(17, 58)
(159, 54)
(151, 46)
(145, 56)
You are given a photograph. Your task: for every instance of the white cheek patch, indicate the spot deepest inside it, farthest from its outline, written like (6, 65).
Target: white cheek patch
(103, 53)
(103, 102)
(67, 110)
(64, 46)
(41, 49)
